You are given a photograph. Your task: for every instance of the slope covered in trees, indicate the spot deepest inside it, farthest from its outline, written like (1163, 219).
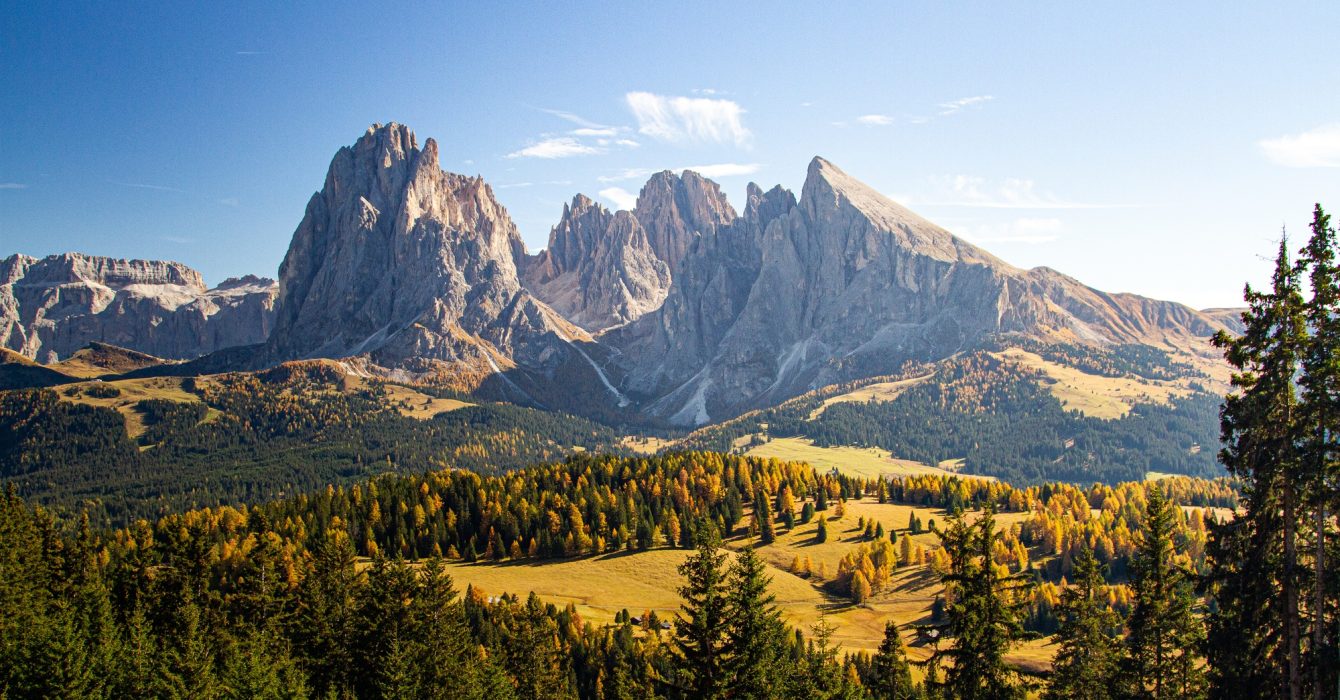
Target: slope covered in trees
(256, 437)
(1001, 421)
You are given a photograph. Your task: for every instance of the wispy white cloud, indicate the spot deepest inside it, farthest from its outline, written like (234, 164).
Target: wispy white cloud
(512, 185)
(955, 106)
(145, 186)
(708, 91)
(724, 169)
(1318, 148)
(250, 53)
(806, 104)
(626, 174)
(230, 202)
(13, 186)
(688, 119)
(589, 131)
(874, 119)
(709, 170)
(556, 147)
(574, 118)
(619, 197)
(1023, 230)
(176, 239)
(978, 192)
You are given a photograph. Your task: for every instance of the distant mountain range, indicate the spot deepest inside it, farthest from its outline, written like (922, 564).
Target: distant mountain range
(680, 312)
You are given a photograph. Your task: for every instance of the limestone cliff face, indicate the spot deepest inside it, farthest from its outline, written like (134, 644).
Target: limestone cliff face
(599, 270)
(52, 307)
(676, 210)
(602, 270)
(412, 270)
(842, 284)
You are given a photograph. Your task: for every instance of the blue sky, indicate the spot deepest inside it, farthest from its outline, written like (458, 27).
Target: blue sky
(1139, 147)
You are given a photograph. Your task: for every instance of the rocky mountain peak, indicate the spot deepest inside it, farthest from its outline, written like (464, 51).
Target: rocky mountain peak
(599, 269)
(677, 209)
(412, 271)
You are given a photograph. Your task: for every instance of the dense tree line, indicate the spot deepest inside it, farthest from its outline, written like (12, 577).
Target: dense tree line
(270, 434)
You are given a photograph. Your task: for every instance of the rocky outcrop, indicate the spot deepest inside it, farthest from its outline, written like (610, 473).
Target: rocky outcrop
(676, 210)
(410, 270)
(52, 307)
(843, 284)
(599, 270)
(604, 269)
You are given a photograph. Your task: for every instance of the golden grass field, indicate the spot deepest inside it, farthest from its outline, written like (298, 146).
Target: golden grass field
(132, 391)
(416, 404)
(600, 586)
(881, 391)
(867, 462)
(1094, 395)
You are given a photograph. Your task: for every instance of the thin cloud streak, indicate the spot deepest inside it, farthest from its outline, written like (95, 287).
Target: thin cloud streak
(13, 186)
(1318, 148)
(874, 119)
(146, 186)
(551, 148)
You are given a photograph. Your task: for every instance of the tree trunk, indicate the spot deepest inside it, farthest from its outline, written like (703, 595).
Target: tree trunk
(1291, 633)
(1319, 599)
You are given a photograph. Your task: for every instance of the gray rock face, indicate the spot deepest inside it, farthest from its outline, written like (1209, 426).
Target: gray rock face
(599, 269)
(412, 270)
(677, 209)
(845, 284)
(602, 270)
(52, 307)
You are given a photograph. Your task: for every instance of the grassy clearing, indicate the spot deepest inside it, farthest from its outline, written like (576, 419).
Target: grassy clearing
(867, 462)
(414, 404)
(1094, 395)
(881, 391)
(129, 393)
(646, 445)
(600, 586)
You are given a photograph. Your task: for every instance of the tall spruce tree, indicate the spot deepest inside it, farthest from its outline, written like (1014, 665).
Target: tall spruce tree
(1319, 384)
(1165, 633)
(1255, 635)
(754, 633)
(890, 672)
(1088, 660)
(700, 640)
(984, 616)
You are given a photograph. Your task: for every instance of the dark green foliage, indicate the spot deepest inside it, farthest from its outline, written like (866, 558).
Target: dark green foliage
(1273, 631)
(1165, 634)
(1088, 658)
(273, 434)
(700, 639)
(1001, 420)
(983, 616)
(890, 676)
(755, 636)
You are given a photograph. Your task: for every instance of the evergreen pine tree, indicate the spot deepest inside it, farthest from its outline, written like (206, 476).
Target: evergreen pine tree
(891, 674)
(1088, 660)
(1319, 384)
(1164, 630)
(700, 642)
(1254, 634)
(754, 633)
(983, 618)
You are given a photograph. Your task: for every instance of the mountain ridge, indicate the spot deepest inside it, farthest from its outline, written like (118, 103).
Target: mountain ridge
(681, 311)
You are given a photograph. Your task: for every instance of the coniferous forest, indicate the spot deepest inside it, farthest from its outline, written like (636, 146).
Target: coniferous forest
(332, 580)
